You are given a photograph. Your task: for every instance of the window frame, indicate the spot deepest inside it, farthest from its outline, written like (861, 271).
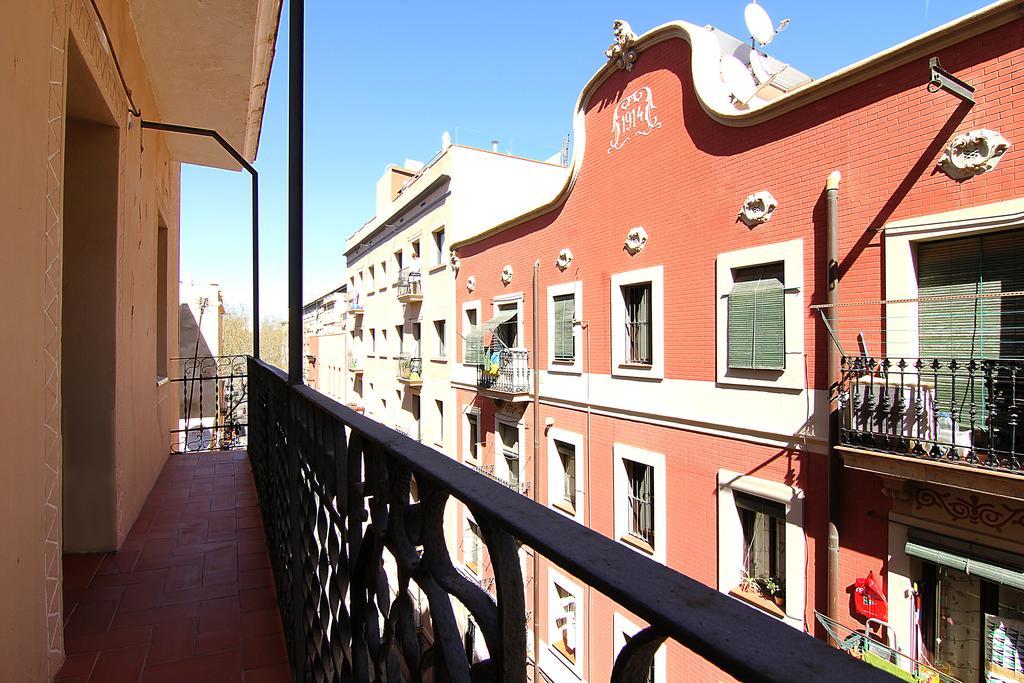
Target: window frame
(439, 434)
(438, 251)
(656, 461)
(621, 626)
(505, 300)
(731, 540)
(791, 255)
(574, 288)
(475, 569)
(556, 475)
(475, 306)
(501, 468)
(441, 334)
(620, 366)
(471, 414)
(552, 653)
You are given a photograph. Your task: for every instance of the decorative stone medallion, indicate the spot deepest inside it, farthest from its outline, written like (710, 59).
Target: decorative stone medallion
(622, 52)
(471, 283)
(564, 259)
(758, 208)
(973, 153)
(636, 240)
(506, 274)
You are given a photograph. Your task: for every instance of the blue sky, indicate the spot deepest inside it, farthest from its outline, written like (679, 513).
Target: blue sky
(385, 79)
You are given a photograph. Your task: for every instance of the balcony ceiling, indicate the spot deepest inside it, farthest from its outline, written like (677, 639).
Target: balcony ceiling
(209, 64)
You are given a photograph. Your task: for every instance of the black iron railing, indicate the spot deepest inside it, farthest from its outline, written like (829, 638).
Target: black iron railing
(965, 411)
(408, 283)
(335, 493)
(504, 370)
(213, 409)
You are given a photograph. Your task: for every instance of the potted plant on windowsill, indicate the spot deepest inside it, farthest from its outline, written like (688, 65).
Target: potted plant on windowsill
(774, 587)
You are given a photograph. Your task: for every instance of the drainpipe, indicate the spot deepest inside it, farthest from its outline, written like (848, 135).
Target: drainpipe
(536, 468)
(834, 463)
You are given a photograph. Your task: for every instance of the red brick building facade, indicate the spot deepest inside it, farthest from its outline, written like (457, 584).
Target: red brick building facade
(671, 448)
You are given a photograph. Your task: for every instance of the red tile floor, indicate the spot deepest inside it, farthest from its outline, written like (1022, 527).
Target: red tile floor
(190, 596)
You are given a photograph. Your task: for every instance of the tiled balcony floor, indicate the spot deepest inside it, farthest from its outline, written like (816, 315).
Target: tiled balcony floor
(189, 597)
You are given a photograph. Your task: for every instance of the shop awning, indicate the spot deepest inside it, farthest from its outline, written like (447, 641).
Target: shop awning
(986, 563)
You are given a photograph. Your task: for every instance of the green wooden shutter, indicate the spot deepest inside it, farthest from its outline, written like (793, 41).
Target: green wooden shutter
(757, 319)
(474, 347)
(968, 328)
(565, 312)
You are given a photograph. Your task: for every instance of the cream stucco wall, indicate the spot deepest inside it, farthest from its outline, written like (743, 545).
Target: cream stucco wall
(463, 191)
(57, 66)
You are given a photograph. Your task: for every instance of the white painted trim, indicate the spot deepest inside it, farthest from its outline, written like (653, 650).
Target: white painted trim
(656, 276)
(574, 589)
(731, 544)
(556, 477)
(620, 453)
(576, 289)
(621, 628)
(902, 239)
(791, 255)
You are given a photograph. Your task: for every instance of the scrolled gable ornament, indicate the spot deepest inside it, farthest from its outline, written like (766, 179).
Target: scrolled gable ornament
(636, 240)
(973, 153)
(758, 208)
(622, 52)
(564, 259)
(453, 260)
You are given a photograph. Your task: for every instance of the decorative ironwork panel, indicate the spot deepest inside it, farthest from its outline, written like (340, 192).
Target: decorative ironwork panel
(354, 517)
(214, 406)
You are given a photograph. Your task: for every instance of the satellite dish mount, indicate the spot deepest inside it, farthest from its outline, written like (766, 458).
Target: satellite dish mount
(762, 29)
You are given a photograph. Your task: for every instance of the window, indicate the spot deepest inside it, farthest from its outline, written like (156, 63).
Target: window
(624, 631)
(760, 317)
(472, 437)
(440, 421)
(414, 408)
(509, 436)
(565, 341)
(439, 247)
(416, 329)
(638, 324)
(472, 335)
(761, 545)
(641, 501)
(471, 549)
(440, 329)
(637, 299)
(371, 278)
(383, 341)
(567, 461)
(565, 623)
(398, 262)
(400, 339)
(383, 279)
(373, 341)
(757, 319)
(508, 331)
(161, 300)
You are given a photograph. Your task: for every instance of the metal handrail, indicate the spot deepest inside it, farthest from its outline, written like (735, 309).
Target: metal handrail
(326, 473)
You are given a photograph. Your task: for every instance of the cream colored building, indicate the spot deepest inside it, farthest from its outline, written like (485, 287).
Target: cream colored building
(89, 243)
(401, 336)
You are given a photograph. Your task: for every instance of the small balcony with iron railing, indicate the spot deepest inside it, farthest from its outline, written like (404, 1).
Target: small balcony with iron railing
(409, 286)
(945, 393)
(410, 370)
(504, 373)
(354, 363)
(354, 304)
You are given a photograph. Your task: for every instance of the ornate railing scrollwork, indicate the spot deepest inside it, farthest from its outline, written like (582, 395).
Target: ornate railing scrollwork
(351, 538)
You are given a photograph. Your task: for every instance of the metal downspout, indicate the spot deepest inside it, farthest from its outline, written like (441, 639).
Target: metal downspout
(296, 68)
(536, 468)
(834, 463)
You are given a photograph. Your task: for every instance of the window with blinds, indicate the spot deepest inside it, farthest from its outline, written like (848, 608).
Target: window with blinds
(970, 327)
(637, 300)
(473, 349)
(757, 319)
(565, 312)
(510, 451)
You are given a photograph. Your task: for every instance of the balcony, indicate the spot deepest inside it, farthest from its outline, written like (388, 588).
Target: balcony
(409, 286)
(504, 373)
(334, 491)
(950, 421)
(354, 304)
(410, 370)
(354, 363)
(522, 487)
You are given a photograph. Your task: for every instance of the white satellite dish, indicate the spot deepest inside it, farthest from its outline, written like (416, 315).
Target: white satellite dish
(760, 24)
(737, 79)
(759, 65)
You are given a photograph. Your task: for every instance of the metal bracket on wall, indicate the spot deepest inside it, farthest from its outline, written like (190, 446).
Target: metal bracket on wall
(940, 79)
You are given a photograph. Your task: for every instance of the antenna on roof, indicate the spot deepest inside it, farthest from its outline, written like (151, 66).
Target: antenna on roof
(760, 24)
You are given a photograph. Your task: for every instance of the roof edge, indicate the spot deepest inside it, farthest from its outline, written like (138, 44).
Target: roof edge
(268, 24)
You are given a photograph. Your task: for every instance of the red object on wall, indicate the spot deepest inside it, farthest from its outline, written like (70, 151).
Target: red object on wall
(869, 598)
